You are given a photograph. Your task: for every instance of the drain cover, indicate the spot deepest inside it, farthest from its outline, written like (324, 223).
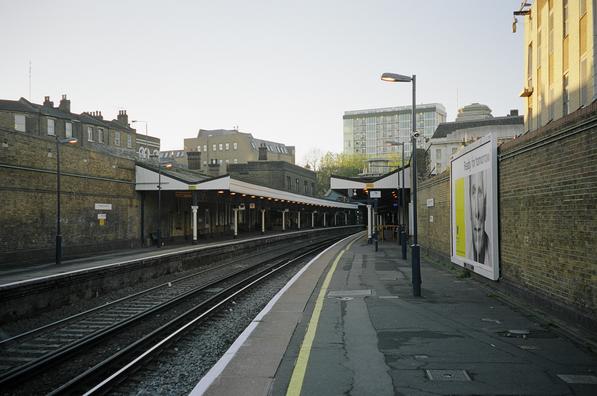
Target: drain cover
(578, 379)
(448, 375)
(529, 347)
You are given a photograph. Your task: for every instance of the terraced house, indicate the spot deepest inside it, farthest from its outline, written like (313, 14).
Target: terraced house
(115, 137)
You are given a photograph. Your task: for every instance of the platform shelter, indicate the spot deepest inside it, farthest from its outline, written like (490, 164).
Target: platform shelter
(386, 198)
(195, 206)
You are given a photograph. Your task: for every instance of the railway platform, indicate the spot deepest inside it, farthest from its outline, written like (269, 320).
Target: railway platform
(349, 325)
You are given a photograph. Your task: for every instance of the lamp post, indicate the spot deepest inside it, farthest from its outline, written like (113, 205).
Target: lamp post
(136, 121)
(403, 225)
(167, 166)
(416, 258)
(59, 141)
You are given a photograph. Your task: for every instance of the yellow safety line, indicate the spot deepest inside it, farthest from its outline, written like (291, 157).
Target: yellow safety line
(300, 368)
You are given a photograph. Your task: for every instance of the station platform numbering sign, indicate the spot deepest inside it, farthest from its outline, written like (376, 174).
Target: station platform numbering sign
(375, 194)
(474, 208)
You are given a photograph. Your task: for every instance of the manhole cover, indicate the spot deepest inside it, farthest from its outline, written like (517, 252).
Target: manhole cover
(448, 375)
(529, 347)
(578, 379)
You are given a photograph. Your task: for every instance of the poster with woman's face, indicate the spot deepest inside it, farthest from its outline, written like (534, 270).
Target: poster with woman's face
(474, 209)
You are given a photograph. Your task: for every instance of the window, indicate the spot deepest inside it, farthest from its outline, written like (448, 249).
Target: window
(438, 154)
(297, 185)
(141, 152)
(117, 138)
(565, 94)
(129, 141)
(584, 81)
(199, 148)
(51, 127)
(565, 17)
(306, 187)
(205, 148)
(235, 145)
(214, 147)
(227, 146)
(227, 161)
(454, 150)
(20, 122)
(220, 146)
(100, 135)
(236, 160)
(89, 134)
(288, 183)
(68, 129)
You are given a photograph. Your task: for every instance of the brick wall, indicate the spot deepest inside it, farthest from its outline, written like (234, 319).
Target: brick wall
(434, 222)
(548, 215)
(28, 199)
(548, 210)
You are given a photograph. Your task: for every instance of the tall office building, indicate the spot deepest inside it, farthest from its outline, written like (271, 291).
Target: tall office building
(369, 131)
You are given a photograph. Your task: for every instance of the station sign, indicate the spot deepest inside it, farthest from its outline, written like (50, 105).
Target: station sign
(183, 194)
(103, 206)
(375, 194)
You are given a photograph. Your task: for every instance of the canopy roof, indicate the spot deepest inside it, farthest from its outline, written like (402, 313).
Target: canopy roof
(147, 180)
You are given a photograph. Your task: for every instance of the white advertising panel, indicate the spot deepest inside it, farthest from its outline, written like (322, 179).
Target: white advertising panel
(474, 208)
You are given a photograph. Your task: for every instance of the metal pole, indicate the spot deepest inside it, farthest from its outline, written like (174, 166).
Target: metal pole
(58, 233)
(416, 259)
(159, 204)
(404, 209)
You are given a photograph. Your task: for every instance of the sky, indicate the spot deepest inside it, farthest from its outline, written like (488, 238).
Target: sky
(282, 70)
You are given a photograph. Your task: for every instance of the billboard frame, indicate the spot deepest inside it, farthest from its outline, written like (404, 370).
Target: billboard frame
(458, 164)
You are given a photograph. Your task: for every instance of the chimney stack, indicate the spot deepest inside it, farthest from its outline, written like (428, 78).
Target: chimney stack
(64, 104)
(213, 168)
(123, 118)
(194, 160)
(47, 102)
(514, 113)
(263, 152)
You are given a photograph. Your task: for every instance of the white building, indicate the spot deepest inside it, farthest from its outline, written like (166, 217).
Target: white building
(368, 131)
(473, 121)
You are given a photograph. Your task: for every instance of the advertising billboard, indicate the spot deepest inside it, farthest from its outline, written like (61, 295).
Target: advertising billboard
(474, 208)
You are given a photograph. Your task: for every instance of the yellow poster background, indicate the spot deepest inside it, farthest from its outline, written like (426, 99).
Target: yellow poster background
(460, 222)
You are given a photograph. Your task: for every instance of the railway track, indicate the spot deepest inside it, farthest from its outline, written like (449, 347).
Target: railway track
(40, 351)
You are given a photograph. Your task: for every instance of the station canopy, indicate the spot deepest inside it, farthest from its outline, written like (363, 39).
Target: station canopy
(178, 179)
(358, 188)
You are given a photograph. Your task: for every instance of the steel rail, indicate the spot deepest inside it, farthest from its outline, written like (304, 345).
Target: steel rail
(29, 369)
(163, 336)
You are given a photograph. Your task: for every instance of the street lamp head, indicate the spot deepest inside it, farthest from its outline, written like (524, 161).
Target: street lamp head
(70, 140)
(393, 77)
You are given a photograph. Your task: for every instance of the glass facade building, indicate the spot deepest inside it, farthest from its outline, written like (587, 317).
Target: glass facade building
(369, 131)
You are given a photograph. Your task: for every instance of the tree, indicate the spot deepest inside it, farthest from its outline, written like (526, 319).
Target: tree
(342, 164)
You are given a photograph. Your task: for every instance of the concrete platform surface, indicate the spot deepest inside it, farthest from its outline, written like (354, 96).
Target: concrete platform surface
(359, 331)
(18, 272)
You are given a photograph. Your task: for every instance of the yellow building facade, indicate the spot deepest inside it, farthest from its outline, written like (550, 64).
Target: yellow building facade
(559, 58)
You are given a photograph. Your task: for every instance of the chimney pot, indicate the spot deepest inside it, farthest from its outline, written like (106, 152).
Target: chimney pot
(64, 104)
